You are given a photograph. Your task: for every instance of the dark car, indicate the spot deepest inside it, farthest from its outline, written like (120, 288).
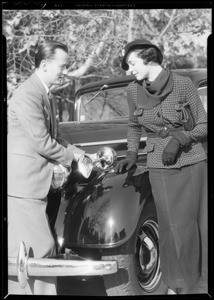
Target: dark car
(111, 217)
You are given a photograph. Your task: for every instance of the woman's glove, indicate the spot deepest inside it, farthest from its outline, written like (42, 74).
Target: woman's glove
(126, 163)
(172, 149)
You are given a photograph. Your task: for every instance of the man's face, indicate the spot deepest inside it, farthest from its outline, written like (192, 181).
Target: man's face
(137, 66)
(55, 68)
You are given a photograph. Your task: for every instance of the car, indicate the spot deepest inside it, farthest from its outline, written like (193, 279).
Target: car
(109, 217)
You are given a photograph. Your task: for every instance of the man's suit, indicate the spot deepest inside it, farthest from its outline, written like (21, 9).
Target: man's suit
(34, 144)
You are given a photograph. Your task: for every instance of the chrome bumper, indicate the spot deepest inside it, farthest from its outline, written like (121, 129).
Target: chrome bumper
(23, 267)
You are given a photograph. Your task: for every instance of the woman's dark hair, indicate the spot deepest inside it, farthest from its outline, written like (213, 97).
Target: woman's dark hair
(47, 50)
(149, 54)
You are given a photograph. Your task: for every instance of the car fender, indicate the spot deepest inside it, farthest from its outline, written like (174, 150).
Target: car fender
(106, 212)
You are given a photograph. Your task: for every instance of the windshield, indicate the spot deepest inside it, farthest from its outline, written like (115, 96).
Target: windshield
(107, 105)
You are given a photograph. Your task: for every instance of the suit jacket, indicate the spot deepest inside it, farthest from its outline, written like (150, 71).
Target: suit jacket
(34, 143)
(165, 114)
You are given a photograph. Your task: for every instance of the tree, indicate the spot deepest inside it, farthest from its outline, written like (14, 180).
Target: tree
(96, 38)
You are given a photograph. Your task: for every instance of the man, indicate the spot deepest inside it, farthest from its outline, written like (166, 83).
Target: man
(34, 145)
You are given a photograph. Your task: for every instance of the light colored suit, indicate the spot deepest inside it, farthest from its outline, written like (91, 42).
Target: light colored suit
(33, 142)
(34, 145)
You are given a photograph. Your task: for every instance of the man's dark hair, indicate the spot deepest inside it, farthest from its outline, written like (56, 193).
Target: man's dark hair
(149, 54)
(47, 50)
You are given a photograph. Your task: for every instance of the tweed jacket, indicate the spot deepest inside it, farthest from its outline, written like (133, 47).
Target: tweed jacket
(165, 114)
(34, 142)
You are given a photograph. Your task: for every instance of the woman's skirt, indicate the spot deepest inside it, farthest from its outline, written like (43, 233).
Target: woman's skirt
(180, 197)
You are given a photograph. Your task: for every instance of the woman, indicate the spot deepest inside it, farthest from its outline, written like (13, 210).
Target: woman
(169, 108)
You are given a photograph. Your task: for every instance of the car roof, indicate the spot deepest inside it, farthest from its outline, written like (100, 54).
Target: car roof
(197, 75)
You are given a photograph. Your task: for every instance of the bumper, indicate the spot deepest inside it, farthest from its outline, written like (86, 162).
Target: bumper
(23, 267)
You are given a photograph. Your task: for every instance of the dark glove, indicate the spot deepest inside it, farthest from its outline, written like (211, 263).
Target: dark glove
(172, 149)
(126, 163)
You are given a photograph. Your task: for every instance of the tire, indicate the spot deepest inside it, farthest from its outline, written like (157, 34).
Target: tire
(138, 260)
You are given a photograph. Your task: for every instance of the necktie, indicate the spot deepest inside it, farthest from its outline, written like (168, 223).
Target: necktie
(53, 114)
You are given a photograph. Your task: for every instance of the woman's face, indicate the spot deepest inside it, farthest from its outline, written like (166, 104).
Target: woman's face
(137, 66)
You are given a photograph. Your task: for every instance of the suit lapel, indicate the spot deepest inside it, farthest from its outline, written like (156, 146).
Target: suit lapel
(47, 106)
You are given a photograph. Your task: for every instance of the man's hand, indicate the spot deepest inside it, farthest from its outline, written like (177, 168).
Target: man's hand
(93, 157)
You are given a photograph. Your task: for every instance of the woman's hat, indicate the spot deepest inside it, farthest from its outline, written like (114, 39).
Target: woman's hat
(137, 44)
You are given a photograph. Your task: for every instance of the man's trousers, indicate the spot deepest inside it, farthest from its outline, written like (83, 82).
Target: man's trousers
(28, 222)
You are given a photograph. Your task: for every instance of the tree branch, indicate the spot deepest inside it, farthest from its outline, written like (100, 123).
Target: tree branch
(96, 52)
(168, 25)
(131, 18)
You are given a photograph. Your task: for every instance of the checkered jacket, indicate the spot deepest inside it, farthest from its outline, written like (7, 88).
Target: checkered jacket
(165, 114)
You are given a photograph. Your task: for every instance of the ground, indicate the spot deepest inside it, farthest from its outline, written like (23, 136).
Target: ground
(74, 286)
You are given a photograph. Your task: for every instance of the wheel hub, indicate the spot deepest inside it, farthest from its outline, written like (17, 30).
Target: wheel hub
(148, 256)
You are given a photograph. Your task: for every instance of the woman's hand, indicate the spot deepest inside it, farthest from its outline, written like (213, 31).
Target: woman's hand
(127, 163)
(170, 152)
(174, 146)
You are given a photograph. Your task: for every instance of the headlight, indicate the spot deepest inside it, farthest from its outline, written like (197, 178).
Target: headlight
(107, 158)
(60, 175)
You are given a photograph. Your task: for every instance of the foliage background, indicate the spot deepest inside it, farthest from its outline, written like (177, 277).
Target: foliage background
(96, 38)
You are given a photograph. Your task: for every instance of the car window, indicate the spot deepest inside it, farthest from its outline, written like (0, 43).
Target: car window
(112, 103)
(107, 105)
(202, 90)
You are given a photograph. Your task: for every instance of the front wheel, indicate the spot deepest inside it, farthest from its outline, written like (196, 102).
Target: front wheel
(138, 260)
